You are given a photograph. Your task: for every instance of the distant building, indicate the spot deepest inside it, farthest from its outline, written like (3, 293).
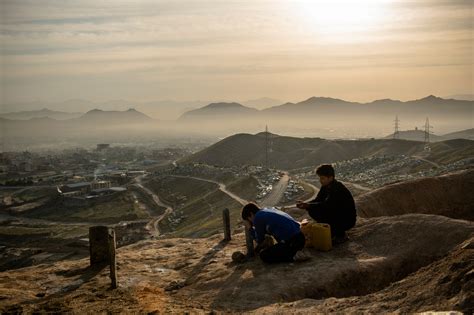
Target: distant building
(80, 188)
(103, 146)
(99, 184)
(107, 191)
(72, 193)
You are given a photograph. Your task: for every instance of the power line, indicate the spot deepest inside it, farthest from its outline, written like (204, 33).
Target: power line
(428, 128)
(396, 133)
(266, 146)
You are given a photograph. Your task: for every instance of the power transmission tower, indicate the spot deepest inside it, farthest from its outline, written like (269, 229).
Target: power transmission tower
(396, 133)
(428, 128)
(266, 147)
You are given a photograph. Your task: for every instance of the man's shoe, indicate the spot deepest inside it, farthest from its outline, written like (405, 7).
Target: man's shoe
(300, 257)
(340, 239)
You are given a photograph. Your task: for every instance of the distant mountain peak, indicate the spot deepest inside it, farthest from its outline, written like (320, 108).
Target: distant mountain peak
(431, 97)
(224, 105)
(95, 110)
(319, 98)
(385, 100)
(323, 99)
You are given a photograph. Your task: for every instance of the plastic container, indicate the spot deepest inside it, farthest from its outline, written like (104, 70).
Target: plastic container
(317, 235)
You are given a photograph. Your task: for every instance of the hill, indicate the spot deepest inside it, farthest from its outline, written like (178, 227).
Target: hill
(372, 272)
(313, 105)
(463, 97)
(291, 153)
(215, 111)
(97, 116)
(26, 115)
(331, 117)
(326, 106)
(415, 135)
(397, 260)
(92, 127)
(449, 195)
(463, 134)
(419, 135)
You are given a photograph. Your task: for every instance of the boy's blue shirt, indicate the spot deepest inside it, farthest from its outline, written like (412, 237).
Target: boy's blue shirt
(276, 223)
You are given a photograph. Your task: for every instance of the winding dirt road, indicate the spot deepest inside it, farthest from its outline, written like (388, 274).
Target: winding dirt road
(153, 226)
(222, 187)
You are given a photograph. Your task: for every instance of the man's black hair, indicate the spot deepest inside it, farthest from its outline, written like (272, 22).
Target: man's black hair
(249, 209)
(325, 170)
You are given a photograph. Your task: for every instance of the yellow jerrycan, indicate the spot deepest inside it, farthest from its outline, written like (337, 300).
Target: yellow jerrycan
(317, 235)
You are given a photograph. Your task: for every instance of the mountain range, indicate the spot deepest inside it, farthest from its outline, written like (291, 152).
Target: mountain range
(97, 116)
(45, 112)
(312, 108)
(165, 109)
(324, 117)
(333, 107)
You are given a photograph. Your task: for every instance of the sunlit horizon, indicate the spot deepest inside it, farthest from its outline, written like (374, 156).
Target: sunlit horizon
(215, 51)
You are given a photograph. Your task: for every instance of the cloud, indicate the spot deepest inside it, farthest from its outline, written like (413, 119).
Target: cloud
(184, 41)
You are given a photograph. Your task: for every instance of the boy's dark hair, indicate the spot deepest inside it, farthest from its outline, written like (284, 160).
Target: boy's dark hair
(325, 170)
(249, 209)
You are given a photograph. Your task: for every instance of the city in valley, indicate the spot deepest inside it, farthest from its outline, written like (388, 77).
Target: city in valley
(50, 197)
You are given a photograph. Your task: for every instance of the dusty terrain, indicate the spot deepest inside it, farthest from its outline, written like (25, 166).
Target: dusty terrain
(449, 195)
(394, 263)
(179, 275)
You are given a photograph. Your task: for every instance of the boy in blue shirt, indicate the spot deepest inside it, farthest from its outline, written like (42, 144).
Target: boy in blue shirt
(278, 224)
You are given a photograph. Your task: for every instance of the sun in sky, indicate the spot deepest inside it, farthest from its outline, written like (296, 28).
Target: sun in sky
(332, 18)
(235, 50)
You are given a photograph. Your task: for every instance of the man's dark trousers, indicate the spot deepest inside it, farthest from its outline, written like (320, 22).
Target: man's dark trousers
(283, 252)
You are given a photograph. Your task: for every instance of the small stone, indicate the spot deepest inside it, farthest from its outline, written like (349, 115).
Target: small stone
(174, 285)
(238, 257)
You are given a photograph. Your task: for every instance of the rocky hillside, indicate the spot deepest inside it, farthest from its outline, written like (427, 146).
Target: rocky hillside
(396, 262)
(449, 195)
(197, 275)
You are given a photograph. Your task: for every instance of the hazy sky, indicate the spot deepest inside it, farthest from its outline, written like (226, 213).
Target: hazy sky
(186, 50)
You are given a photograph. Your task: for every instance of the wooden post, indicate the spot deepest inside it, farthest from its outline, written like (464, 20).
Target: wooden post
(249, 243)
(113, 262)
(102, 250)
(226, 221)
(99, 245)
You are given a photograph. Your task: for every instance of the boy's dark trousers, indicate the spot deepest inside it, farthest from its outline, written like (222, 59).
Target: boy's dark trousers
(283, 252)
(338, 225)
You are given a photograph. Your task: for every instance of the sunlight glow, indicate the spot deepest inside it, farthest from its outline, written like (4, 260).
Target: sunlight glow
(342, 17)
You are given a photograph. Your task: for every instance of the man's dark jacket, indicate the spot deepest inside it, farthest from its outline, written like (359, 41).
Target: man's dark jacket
(334, 205)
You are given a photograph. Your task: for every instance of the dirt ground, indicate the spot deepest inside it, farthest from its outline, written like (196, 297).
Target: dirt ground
(449, 195)
(406, 263)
